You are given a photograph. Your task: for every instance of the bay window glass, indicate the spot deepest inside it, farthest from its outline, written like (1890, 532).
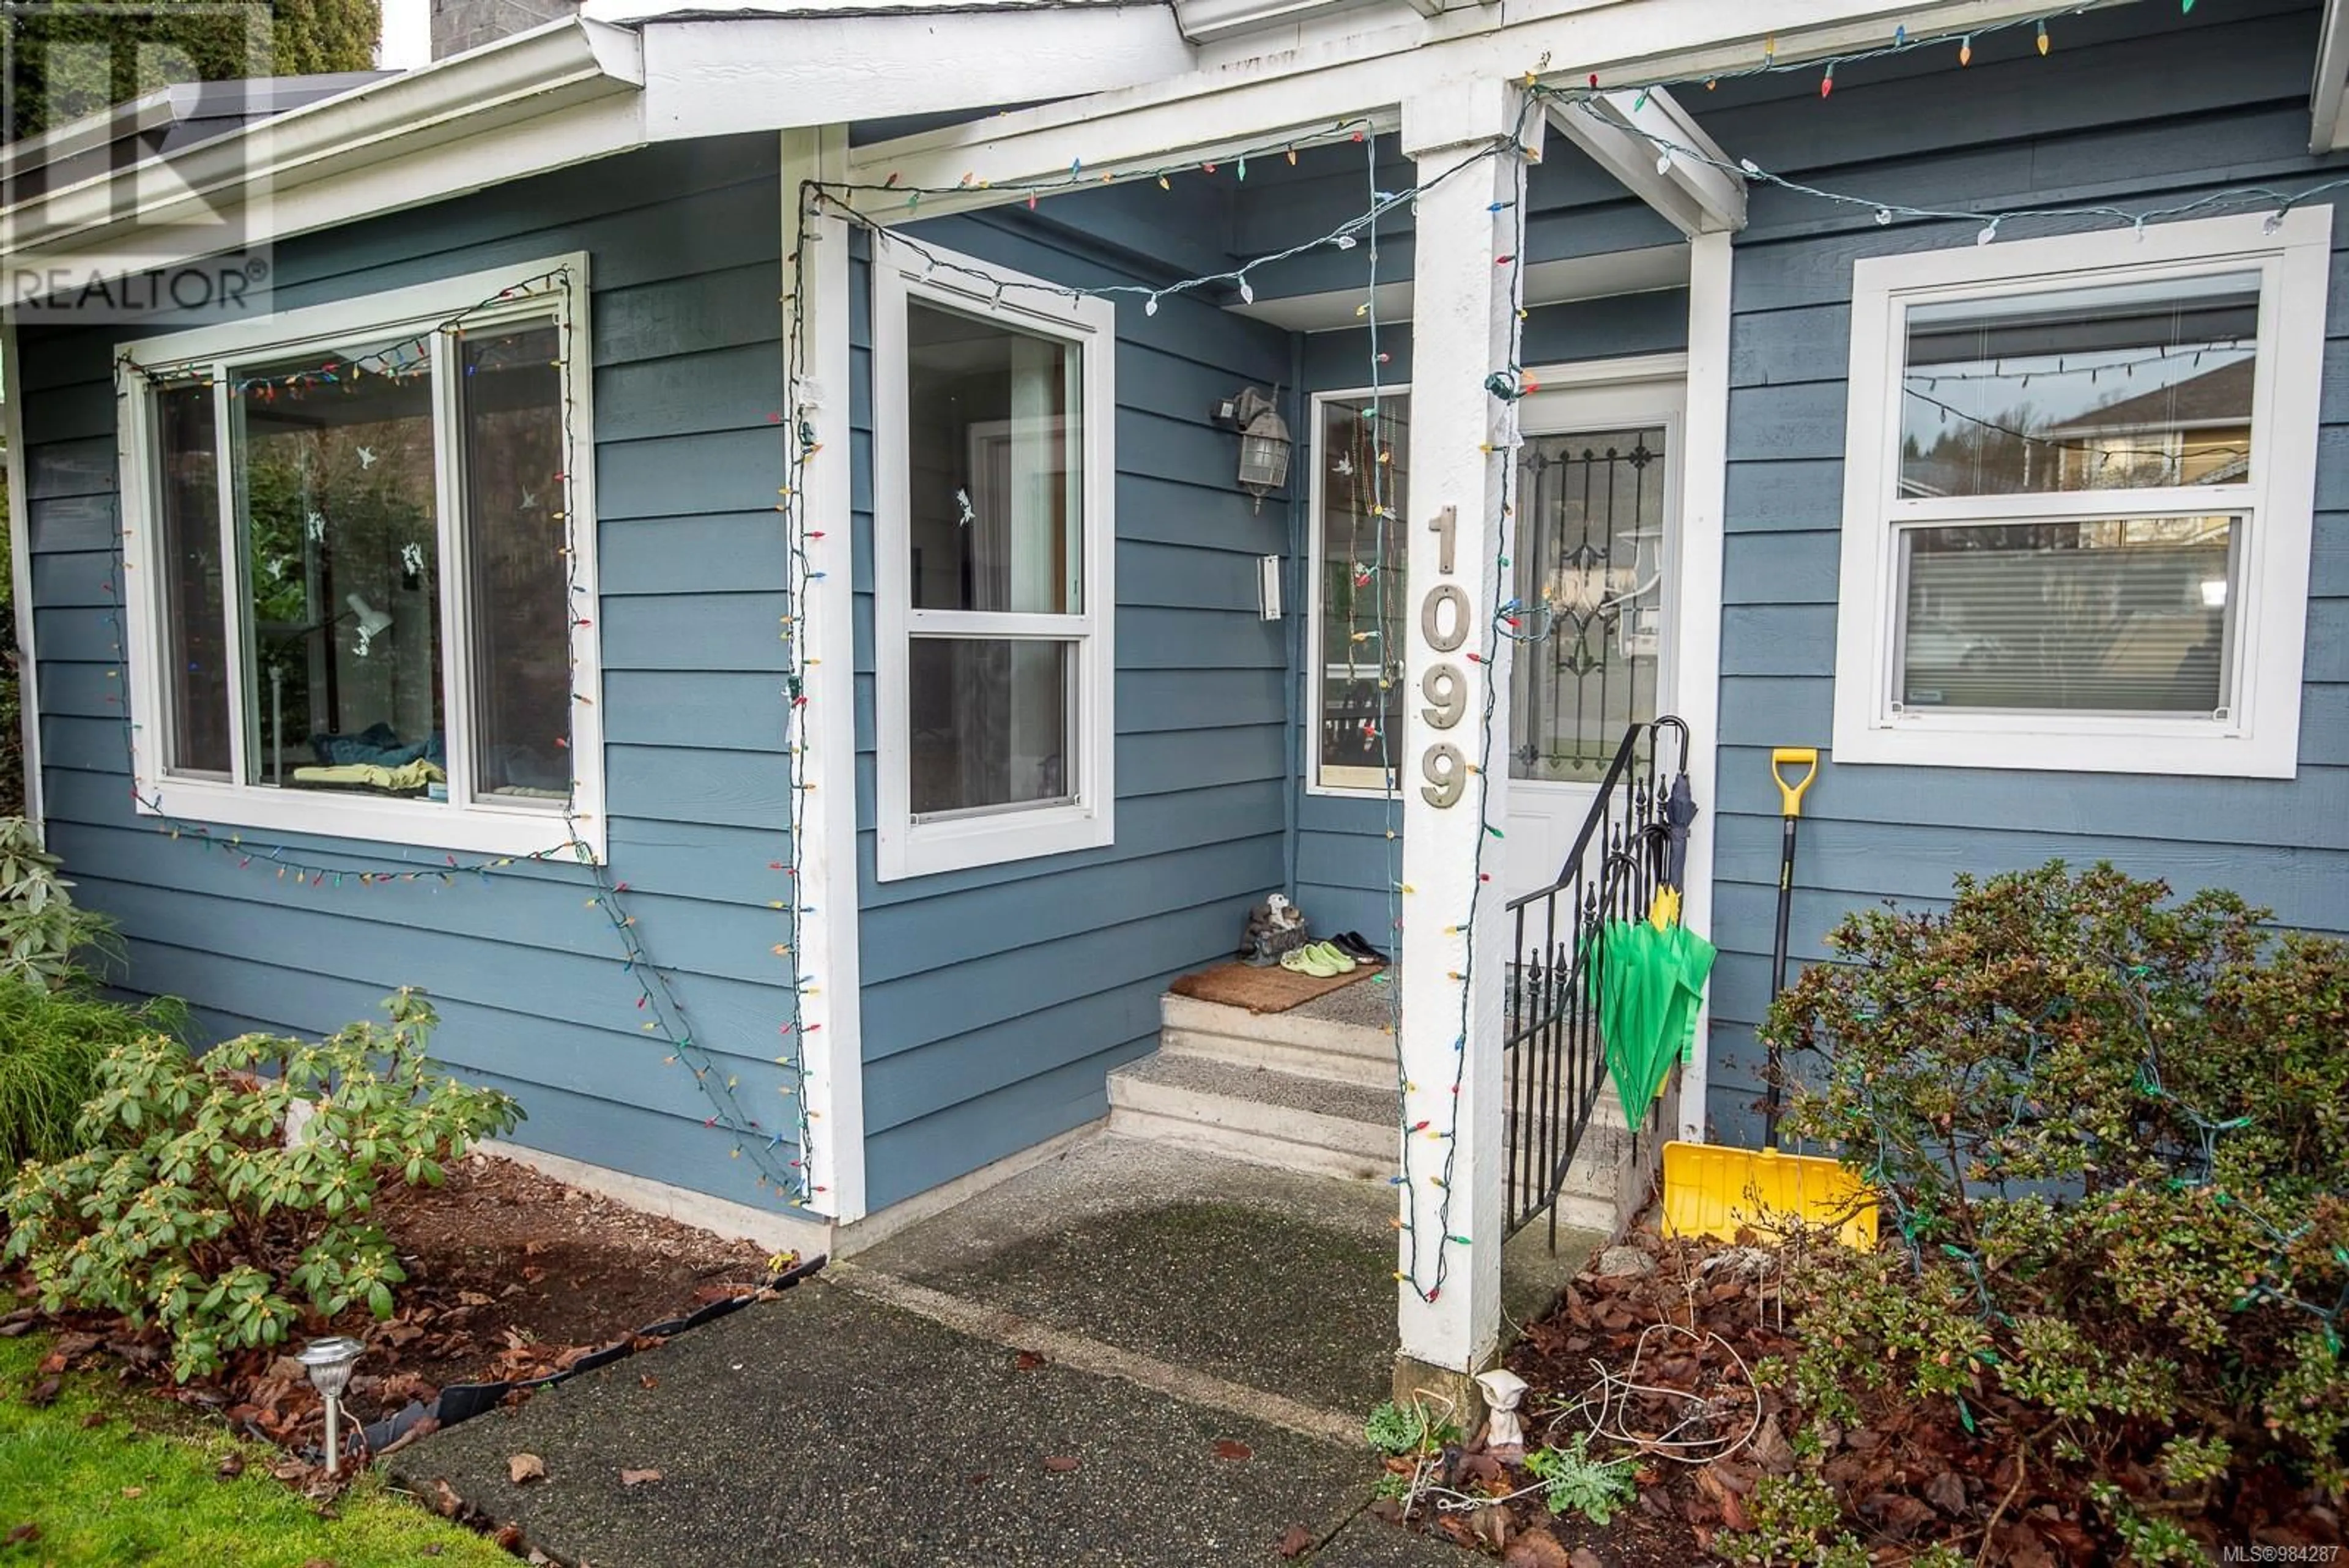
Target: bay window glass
(361, 612)
(340, 580)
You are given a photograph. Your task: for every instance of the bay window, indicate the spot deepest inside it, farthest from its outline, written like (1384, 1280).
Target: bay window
(2078, 499)
(993, 419)
(358, 604)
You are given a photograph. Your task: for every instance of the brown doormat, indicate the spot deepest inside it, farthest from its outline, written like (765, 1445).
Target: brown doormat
(1271, 989)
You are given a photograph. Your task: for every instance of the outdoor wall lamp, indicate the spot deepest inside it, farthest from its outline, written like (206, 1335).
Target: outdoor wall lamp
(1264, 441)
(329, 1364)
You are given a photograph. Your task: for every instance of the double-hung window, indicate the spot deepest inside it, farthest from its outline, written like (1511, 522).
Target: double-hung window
(993, 409)
(2078, 499)
(362, 567)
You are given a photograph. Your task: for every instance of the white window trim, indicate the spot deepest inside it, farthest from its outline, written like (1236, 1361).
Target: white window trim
(1314, 662)
(460, 824)
(904, 847)
(2261, 736)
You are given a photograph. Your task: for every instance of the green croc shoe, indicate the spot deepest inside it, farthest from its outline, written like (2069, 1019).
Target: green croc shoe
(1308, 960)
(1338, 960)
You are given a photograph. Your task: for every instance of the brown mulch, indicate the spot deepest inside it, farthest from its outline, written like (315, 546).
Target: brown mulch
(512, 1276)
(1687, 1333)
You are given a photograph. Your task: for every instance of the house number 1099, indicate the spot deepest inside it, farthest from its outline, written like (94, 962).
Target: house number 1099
(1444, 622)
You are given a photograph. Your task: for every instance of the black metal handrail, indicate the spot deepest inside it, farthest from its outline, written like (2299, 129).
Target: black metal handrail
(1554, 1062)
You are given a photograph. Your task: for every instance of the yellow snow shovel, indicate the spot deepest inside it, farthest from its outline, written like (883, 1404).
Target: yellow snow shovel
(1713, 1190)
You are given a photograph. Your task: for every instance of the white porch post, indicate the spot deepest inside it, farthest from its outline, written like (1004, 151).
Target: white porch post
(1456, 705)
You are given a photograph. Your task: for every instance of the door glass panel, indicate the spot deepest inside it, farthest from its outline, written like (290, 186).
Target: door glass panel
(1362, 627)
(1592, 548)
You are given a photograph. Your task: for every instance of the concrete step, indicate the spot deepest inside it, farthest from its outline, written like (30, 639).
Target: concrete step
(1292, 1121)
(1293, 1042)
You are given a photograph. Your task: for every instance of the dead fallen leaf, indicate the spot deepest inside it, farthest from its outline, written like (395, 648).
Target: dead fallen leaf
(646, 1380)
(44, 1393)
(977, 1478)
(1947, 1491)
(134, 1491)
(95, 1419)
(639, 1478)
(445, 1500)
(21, 1534)
(1583, 1557)
(1295, 1542)
(10, 1330)
(507, 1537)
(1027, 1361)
(1061, 1463)
(1536, 1549)
(523, 1468)
(1491, 1523)
(1230, 1448)
(1772, 1450)
(230, 1468)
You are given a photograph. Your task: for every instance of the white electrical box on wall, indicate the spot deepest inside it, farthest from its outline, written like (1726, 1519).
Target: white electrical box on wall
(1269, 590)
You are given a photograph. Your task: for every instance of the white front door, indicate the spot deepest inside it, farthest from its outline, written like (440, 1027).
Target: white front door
(1598, 513)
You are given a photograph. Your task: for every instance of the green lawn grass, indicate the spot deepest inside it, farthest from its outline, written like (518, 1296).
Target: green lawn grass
(72, 1481)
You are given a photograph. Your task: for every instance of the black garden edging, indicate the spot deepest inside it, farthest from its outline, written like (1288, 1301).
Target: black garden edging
(463, 1401)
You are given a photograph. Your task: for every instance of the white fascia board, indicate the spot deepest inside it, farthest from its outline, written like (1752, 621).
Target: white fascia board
(1237, 99)
(448, 107)
(1615, 131)
(719, 76)
(2328, 130)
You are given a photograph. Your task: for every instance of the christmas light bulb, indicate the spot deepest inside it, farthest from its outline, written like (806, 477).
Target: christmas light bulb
(2042, 38)
(1966, 50)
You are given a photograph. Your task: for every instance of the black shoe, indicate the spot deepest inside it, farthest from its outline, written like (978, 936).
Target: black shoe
(1351, 944)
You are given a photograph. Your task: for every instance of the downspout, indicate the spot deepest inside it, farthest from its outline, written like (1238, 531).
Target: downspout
(20, 567)
(1295, 617)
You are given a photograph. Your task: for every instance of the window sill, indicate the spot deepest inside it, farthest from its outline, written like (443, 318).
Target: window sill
(476, 829)
(908, 849)
(2040, 743)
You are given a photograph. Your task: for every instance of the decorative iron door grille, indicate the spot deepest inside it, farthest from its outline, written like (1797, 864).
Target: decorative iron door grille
(1592, 551)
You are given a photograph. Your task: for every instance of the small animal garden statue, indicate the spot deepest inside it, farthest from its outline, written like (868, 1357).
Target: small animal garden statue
(1274, 927)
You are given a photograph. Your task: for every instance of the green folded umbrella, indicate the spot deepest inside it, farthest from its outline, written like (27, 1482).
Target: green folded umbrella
(1647, 982)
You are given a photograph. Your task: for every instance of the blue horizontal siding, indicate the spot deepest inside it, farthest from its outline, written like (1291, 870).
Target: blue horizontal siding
(2133, 105)
(996, 1000)
(684, 255)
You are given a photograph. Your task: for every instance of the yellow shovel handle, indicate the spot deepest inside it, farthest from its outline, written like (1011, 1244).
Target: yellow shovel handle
(1790, 795)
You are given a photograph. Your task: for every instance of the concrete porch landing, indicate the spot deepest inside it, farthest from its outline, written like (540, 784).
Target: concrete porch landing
(1272, 1281)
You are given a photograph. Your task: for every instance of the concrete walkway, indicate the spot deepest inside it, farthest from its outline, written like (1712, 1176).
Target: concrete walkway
(1134, 1356)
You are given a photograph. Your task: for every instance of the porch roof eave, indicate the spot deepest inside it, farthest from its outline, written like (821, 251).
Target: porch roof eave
(1334, 74)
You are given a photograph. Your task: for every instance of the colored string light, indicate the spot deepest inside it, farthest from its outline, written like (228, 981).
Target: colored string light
(666, 1017)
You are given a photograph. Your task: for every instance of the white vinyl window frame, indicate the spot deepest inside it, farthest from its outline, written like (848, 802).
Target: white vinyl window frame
(1344, 785)
(2259, 735)
(904, 845)
(464, 822)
